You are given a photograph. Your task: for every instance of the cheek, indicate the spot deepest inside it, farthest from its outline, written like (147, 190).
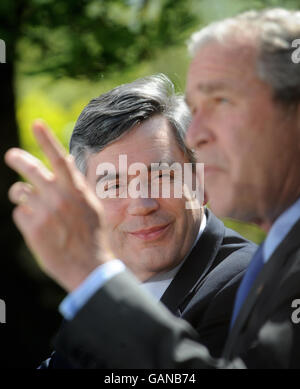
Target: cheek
(171, 206)
(245, 153)
(176, 210)
(114, 212)
(238, 143)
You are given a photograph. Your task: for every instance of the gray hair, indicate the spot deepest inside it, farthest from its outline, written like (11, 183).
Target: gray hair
(272, 32)
(112, 114)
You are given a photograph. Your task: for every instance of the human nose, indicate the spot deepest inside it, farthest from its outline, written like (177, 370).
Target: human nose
(142, 206)
(198, 134)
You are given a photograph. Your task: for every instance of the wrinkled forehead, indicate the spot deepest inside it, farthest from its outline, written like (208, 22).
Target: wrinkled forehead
(218, 66)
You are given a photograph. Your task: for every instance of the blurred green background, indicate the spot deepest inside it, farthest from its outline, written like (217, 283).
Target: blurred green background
(59, 55)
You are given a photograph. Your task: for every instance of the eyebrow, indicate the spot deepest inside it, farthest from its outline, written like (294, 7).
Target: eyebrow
(113, 176)
(157, 168)
(108, 177)
(211, 87)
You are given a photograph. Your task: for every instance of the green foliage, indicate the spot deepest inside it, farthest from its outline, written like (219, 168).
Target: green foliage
(248, 230)
(84, 38)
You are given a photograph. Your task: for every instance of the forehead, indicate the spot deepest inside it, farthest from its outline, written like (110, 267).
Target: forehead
(151, 141)
(217, 66)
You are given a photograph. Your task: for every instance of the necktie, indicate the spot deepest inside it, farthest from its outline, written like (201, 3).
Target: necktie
(254, 268)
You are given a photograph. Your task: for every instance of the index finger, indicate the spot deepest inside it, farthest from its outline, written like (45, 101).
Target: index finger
(29, 167)
(53, 149)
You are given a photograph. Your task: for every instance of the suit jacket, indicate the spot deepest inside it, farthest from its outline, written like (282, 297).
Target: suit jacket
(203, 290)
(264, 334)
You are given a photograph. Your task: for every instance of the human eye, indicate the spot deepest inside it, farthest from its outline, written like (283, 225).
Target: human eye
(164, 174)
(110, 186)
(222, 99)
(115, 186)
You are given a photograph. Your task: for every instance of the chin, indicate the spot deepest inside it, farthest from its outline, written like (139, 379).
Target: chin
(235, 204)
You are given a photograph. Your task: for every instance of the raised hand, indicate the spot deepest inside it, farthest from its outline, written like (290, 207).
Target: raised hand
(57, 213)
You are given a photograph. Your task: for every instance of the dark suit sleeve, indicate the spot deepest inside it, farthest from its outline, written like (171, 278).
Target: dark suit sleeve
(130, 330)
(213, 324)
(121, 327)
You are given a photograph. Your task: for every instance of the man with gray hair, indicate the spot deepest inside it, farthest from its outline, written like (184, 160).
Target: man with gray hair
(243, 91)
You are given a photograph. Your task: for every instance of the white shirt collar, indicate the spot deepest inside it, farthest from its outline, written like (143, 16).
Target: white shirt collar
(158, 284)
(280, 229)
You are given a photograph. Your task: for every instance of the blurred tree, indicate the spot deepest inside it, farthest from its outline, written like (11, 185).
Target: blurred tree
(88, 37)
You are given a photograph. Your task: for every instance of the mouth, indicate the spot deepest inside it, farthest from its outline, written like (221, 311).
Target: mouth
(150, 234)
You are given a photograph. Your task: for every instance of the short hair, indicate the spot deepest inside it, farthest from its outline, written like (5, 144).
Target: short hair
(272, 31)
(112, 114)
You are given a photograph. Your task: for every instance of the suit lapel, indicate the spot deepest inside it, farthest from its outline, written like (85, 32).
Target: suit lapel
(263, 286)
(196, 266)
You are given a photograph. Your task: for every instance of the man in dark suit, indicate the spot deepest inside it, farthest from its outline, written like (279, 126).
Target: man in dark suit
(243, 90)
(203, 290)
(201, 259)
